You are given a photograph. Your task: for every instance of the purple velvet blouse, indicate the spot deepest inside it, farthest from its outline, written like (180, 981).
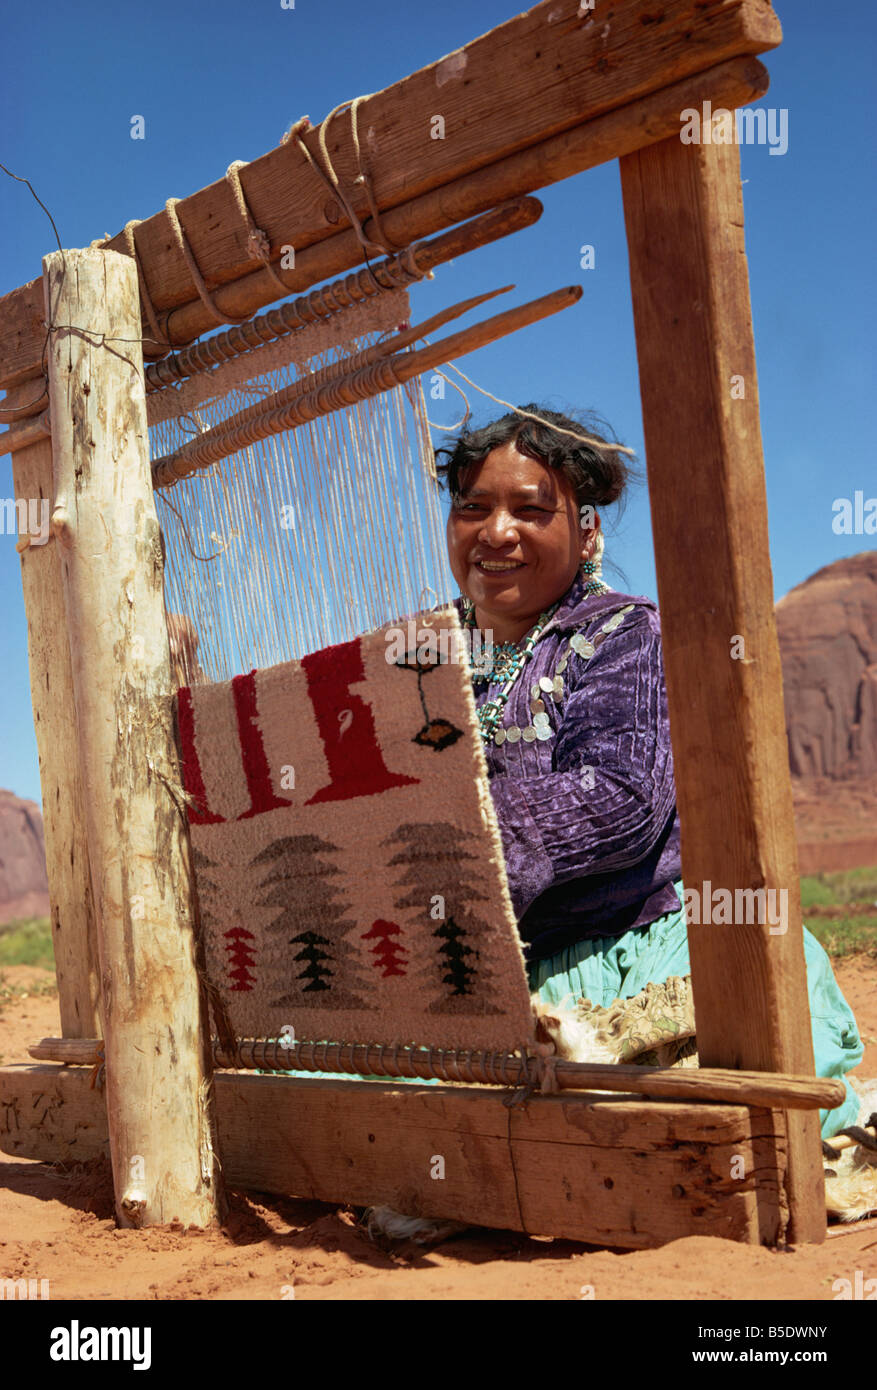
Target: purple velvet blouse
(588, 815)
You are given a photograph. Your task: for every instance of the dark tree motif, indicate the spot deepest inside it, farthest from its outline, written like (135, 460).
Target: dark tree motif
(315, 972)
(311, 917)
(454, 950)
(433, 861)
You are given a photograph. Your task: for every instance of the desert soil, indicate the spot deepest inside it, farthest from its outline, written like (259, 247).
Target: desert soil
(58, 1226)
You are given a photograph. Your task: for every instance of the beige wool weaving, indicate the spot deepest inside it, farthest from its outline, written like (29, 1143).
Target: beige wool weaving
(348, 861)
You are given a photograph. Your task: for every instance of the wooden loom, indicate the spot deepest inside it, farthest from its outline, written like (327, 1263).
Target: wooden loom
(578, 89)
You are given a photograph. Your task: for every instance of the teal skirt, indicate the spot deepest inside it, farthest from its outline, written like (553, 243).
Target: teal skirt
(603, 968)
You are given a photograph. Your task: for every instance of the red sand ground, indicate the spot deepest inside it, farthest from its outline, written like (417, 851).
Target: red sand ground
(58, 1226)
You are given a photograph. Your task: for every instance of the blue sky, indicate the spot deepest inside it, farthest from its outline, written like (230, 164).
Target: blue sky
(223, 80)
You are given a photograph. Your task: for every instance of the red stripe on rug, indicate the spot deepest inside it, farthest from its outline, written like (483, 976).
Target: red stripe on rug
(193, 779)
(356, 762)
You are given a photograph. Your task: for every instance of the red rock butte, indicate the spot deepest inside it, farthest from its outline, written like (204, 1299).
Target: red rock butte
(24, 888)
(828, 639)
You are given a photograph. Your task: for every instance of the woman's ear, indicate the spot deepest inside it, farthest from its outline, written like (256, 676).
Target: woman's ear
(590, 528)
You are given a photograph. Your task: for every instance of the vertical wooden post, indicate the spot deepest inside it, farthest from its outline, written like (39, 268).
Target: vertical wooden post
(74, 934)
(107, 533)
(684, 214)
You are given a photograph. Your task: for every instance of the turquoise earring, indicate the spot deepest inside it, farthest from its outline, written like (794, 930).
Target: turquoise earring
(593, 570)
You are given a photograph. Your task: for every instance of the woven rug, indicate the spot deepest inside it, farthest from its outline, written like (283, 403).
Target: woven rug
(348, 863)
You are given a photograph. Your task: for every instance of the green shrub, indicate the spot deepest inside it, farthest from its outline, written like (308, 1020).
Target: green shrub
(27, 942)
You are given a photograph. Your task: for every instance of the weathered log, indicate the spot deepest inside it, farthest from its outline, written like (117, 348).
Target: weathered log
(607, 137)
(108, 541)
(71, 906)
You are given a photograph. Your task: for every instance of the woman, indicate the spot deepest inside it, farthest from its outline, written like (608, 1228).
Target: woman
(575, 727)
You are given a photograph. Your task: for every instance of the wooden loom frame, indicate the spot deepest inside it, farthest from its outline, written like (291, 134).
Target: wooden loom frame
(609, 1171)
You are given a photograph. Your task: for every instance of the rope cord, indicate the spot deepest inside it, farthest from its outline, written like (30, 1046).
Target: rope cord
(183, 246)
(333, 183)
(330, 177)
(145, 296)
(528, 414)
(257, 242)
(460, 424)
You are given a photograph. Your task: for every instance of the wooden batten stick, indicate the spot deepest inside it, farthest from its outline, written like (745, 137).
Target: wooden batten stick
(268, 418)
(554, 154)
(108, 540)
(31, 402)
(683, 209)
(663, 1083)
(853, 1228)
(163, 405)
(71, 905)
(323, 303)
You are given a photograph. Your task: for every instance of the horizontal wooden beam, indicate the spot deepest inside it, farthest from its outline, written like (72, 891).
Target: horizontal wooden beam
(32, 423)
(27, 432)
(690, 1084)
(545, 71)
(610, 1172)
(655, 117)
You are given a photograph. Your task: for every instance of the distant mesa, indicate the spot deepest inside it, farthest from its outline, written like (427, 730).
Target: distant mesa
(24, 888)
(828, 641)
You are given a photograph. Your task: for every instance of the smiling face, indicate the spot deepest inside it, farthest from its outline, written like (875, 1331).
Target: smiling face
(514, 540)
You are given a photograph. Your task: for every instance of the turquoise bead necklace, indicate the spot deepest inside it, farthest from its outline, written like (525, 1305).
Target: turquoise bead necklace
(513, 659)
(509, 659)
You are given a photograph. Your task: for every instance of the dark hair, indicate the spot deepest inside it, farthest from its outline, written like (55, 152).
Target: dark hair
(598, 476)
